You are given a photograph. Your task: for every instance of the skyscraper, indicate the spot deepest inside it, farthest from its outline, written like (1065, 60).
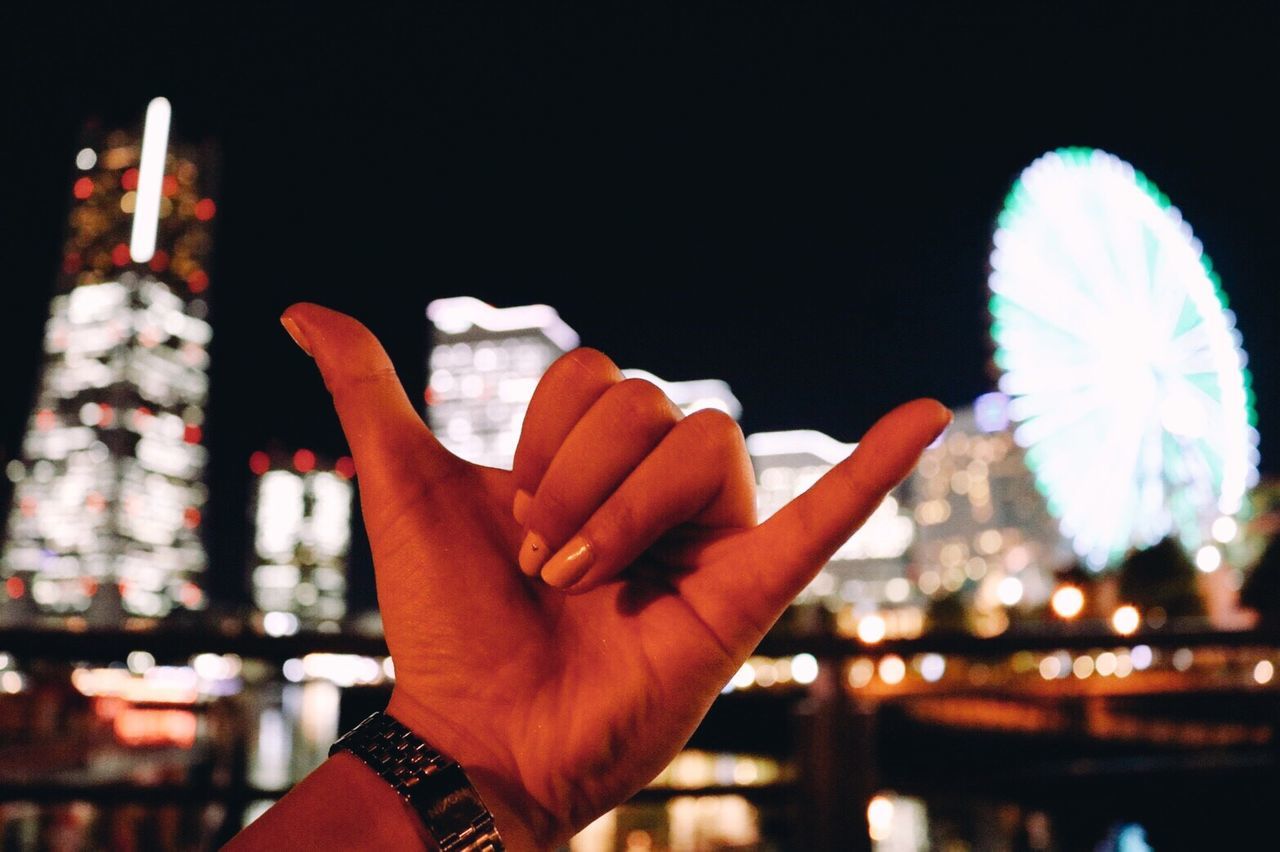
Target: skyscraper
(984, 528)
(867, 570)
(484, 365)
(301, 538)
(109, 491)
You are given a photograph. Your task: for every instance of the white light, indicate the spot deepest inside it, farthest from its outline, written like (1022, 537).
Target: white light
(457, 315)
(694, 395)
(745, 676)
(892, 669)
(1141, 656)
(146, 212)
(880, 818)
(86, 159)
(280, 623)
(932, 667)
(1050, 668)
(1009, 591)
(139, 661)
(1264, 671)
(897, 590)
(871, 628)
(389, 669)
(1083, 666)
(1106, 664)
(11, 682)
(1208, 559)
(798, 442)
(1225, 529)
(804, 668)
(293, 670)
(1183, 658)
(1125, 619)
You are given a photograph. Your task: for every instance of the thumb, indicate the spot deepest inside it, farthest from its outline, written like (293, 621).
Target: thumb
(391, 446)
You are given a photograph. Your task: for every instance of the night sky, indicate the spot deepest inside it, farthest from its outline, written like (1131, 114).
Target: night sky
(797, 201)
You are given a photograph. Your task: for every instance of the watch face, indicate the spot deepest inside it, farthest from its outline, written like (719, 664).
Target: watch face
(448, 801)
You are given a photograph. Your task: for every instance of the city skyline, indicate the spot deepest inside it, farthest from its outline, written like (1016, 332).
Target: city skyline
(799, 203)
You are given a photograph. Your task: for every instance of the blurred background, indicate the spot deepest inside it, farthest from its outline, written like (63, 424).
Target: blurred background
(1059, 633)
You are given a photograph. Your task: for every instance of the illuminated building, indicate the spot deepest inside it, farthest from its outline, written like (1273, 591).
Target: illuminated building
(484, 365)
(108, 495)
(301, 537)
(983, 526)
(694, 395)
(868, 570)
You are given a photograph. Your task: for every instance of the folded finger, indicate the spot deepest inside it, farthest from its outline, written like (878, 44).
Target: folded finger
(615, 434)
(565, 393)
(699, 473)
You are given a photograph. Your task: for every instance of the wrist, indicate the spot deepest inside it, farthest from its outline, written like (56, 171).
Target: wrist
(522, 824)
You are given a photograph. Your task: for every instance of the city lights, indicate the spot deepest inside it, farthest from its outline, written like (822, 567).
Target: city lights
(1067, 601)
(1125, 620)
(146, 212)
(484, 365)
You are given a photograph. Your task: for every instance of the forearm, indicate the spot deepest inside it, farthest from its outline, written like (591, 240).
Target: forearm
(343, 804)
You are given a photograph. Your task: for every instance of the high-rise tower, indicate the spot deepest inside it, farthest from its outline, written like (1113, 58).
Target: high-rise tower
(484, 364)
(109, 492)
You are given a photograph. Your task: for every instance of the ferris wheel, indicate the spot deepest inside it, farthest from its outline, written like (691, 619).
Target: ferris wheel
(1123, 364)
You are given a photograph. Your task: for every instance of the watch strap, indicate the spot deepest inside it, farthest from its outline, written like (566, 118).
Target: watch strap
(432, 784)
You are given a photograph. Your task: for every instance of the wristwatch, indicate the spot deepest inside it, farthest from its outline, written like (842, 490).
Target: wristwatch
(433, 785)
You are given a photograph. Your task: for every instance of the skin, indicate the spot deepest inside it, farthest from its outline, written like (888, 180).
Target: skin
(563, 677)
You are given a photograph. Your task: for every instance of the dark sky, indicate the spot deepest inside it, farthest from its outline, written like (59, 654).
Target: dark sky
(794, 199)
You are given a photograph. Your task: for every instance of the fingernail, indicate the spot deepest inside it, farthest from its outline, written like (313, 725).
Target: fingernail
(569, 564)
(296, 333)
(520, 507)
(533, 552)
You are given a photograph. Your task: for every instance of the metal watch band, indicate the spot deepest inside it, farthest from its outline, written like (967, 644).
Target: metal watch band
(431, 783)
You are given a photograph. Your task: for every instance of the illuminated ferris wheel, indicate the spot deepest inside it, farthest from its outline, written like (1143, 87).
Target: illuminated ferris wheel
(1125, 370)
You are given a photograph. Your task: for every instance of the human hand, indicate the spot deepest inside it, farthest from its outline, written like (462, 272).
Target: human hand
(562, 702)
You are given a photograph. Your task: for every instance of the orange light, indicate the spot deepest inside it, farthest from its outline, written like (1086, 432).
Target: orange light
(169, 186)
(304, 461)
(120, 254)
(1125, 619)
(15, 587)
(83, 188)
(205, 208)
(159, 261)
(1067, 601)
(191, 517)
(259, 462)
(129, 180)
(154, 726)
(198, 281)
